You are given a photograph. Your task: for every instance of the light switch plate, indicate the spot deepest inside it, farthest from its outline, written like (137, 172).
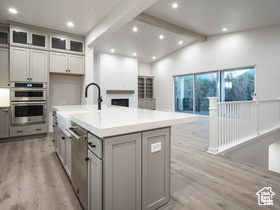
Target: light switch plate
(155, 147)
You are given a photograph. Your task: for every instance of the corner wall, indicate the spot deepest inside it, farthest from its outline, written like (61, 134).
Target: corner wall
(260, 47)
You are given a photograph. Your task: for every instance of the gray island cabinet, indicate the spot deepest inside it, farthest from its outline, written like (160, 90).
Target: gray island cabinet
(134, 176)
(128, 156)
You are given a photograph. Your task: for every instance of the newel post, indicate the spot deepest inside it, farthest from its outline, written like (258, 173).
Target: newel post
(256, 100)
(213, 126)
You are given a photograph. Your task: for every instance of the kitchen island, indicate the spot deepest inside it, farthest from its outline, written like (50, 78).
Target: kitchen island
(128, 155)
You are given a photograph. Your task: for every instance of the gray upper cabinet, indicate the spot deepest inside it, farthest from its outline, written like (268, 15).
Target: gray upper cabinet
(66, 44)
(28, 65)
(28, 38)
(58, 43)
(4, 67)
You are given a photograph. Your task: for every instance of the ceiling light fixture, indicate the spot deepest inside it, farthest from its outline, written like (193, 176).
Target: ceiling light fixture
(70, 24)
(224, 29)
(92, 9)
(134, 29)
(12, 10)
(161, 36)
(112, 50)
(154, 57)
(174, 5)
(134, 54)
(180, 42)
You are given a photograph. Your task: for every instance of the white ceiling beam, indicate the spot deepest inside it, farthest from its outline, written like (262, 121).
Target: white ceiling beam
(170, 27)
(122, 13)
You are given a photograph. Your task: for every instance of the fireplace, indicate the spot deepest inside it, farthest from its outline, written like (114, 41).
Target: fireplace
(120, 102)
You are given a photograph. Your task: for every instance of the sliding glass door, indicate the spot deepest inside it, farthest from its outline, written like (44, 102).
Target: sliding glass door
(184, 93)
(192, 91)
(205, 86)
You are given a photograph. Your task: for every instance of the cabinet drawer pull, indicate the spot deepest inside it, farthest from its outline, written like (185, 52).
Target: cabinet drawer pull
(92, 145)
(53, 126)
(38, 129)
(19, 131)
(63, 138)
(53, 140)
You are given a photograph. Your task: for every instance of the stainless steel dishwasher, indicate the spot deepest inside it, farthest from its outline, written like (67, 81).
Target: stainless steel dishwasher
(79, 160)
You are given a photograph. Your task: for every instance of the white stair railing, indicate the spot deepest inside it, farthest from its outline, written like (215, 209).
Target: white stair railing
(232, 123)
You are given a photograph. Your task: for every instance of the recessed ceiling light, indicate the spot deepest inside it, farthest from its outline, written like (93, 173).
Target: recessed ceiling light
(174, 5)
(161, 36)
(154, 57)
(112, 50)
(92, 9)
(70, 24)
(12, 10)
(134, 54)
(180, 42)
(134, 29)
(224, 29)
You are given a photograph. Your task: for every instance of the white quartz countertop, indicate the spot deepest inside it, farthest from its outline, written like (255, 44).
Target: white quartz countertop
(115, 120)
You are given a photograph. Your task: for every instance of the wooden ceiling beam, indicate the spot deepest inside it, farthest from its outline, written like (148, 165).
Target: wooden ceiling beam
(170, 27)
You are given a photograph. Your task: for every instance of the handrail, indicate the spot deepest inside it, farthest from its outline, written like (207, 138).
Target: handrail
(231, 123)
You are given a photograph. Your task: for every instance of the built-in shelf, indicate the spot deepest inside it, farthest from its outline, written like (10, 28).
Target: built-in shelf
(120, 91)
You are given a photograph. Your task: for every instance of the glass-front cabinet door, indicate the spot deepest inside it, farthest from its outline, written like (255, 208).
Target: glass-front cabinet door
(58, 43)
(19, 37)
(4, 38)
(38, 40)
(76, 46)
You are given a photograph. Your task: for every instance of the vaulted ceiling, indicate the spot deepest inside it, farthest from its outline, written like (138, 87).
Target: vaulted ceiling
(205, 17)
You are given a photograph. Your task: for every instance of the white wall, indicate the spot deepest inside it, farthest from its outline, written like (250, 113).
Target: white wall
(144, 69)
(274, 157)
(63, 90)
(257, 152)
(89, 75)
(117, 73)
(260, 47)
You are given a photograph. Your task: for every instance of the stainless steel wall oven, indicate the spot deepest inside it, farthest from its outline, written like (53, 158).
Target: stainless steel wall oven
(28, 103)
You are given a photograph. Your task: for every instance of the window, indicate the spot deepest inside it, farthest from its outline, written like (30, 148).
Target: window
(237, 84)
(192, 91)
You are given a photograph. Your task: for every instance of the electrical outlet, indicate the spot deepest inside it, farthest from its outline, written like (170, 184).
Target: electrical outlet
(155, 147)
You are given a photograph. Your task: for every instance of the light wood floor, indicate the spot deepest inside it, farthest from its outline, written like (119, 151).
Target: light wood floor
(31, 176)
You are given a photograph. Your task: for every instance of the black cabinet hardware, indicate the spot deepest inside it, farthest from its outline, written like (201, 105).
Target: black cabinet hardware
(53, 140)
(38, 129)
(19, 131)
(92, 145)
(63, 138)
(86, 159)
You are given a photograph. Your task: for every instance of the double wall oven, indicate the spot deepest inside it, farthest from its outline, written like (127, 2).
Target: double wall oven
(28, 103)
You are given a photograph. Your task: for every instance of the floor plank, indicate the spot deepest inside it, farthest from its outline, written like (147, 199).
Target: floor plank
(31, 176)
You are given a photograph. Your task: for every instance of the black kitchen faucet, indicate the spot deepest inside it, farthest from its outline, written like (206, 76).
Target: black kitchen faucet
(99, 97)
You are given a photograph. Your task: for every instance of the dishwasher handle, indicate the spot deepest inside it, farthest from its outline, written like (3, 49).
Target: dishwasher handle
(73, 133)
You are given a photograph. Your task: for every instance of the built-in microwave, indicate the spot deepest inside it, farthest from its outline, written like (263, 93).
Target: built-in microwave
(28, 92)
(28, 112)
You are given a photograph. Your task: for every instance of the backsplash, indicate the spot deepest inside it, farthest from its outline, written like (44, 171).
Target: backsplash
(4, 97)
